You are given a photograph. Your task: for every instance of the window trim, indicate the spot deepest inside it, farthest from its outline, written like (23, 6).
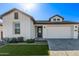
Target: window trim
(15, 28)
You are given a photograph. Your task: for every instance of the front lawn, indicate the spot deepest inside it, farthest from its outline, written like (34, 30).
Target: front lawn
(24, 50)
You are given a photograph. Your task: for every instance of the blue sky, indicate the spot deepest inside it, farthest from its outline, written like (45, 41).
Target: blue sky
(43, 11)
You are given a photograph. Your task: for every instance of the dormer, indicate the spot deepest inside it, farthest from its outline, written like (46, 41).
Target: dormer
(56, 18)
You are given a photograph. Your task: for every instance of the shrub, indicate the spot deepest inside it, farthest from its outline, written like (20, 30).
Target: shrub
(13, 40)
(20, 39)
(30, 40)
(6, 39)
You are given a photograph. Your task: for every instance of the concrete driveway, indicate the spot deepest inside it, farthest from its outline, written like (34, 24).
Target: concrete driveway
(63, 44)
(63, 47)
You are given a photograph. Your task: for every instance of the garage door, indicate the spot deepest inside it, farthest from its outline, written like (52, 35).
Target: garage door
(59, 32)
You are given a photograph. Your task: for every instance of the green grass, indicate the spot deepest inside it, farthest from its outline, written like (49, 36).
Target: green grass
(24, 50)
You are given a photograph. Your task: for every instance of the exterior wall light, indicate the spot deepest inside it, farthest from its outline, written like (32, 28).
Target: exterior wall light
(75, 30)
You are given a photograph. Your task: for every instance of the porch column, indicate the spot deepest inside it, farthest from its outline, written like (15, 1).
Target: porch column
(35, 31)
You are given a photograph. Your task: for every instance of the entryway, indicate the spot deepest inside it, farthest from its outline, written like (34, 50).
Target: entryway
(39, 31)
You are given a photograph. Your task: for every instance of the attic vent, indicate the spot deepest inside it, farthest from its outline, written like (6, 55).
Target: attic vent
(16, 15)
(58, 19)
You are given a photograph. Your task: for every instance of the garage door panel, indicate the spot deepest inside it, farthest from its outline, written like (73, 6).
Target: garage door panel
(59, 32)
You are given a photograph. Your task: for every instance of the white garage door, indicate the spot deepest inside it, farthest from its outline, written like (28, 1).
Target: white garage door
(59, 32)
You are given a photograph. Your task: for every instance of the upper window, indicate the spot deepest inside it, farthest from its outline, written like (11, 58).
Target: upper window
(58, 19)
(16, 15)
(54, 19)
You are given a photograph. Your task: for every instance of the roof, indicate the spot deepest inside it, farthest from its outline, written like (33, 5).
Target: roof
(17, 10)
(48, 21)
(63, 22)
(54, 16)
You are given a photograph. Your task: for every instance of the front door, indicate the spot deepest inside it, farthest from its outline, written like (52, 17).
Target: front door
(39, 31)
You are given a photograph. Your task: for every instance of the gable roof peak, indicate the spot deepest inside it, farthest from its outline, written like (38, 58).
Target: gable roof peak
(56, 15)
(19, 11)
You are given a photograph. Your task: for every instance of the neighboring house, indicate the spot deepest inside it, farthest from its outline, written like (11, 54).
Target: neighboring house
(16, 23)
